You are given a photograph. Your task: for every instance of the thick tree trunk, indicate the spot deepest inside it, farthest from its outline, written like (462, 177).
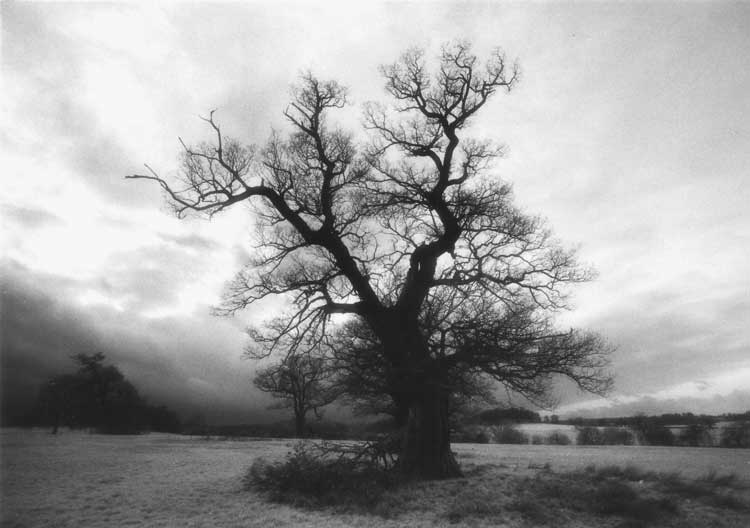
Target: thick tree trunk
(401, 409)
(426, 451)
(420, 400)
(299, 425)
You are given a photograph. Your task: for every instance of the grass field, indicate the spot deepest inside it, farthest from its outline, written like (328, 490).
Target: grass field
(80, 480)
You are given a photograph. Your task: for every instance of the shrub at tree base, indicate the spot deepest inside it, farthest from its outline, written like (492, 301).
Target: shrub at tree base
(311, 478)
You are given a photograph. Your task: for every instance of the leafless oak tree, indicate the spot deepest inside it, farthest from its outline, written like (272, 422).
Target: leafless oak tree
(410, 233)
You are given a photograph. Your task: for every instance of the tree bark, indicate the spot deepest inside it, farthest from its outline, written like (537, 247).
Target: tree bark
(299, 425)
(420, 400)
(401, 408)
(426, 450)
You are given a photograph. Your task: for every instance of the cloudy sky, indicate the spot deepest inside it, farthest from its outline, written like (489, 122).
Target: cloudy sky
(630, 132)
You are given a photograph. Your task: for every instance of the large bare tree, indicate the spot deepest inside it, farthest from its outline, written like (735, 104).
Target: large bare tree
(410, 233)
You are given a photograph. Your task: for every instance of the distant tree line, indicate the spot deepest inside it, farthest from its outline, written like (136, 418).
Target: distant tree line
(500, 415)
(322, 429)
(98, 397)
(672, 429)
(498, 425)
(660, 420)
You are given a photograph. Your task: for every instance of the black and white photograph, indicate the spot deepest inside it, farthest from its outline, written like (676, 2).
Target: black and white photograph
(375, 264)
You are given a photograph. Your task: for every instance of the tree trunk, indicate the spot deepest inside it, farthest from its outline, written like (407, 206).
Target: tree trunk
(401, 409)
(299, 425)
(426, 451)
(420, 399)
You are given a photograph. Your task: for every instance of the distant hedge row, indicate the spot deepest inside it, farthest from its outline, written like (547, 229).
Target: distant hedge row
(737, 435)
(693, 435)
(508, 434)
(605, 436)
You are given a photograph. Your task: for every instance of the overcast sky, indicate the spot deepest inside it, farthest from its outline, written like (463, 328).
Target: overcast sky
(630, 132)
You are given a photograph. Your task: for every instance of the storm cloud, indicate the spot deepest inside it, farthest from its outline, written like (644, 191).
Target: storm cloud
(191, 364)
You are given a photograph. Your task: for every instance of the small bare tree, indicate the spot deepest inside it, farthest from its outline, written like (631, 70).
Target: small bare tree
(302, 383)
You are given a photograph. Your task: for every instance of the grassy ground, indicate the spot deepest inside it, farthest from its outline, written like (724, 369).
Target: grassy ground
(85, 480)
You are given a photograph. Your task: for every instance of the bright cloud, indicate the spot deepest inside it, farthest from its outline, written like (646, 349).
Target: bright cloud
(716, 390)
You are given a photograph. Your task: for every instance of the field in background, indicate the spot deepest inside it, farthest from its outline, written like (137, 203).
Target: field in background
(75, 479)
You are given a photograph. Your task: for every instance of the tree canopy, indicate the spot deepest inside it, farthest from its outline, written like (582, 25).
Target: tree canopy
(409, 232)
(98, 397)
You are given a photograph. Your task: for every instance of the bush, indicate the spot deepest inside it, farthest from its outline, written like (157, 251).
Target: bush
(589, 436)
(557, 438)
(312, 477)
(504, 434)
(696, 435)
(483, 437)
(658, 436)
(554, 438)
(617, 436)
(619, 498)
(510, 435)
(605, 436)
(736, 435)
(473, 434)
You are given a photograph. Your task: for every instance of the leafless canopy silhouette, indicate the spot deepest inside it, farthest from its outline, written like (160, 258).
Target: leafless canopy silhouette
(303, 383)
(410, 233)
